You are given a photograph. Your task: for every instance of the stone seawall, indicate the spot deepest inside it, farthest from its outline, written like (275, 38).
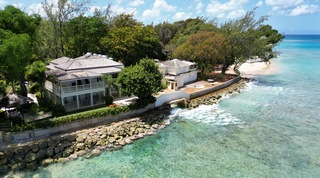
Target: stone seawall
(86, 143)
(26, 136)
(215, 97)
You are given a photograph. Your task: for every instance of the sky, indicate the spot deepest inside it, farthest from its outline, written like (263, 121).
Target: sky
(287, 16)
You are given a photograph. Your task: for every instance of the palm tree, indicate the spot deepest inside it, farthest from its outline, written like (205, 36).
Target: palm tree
(36, 73)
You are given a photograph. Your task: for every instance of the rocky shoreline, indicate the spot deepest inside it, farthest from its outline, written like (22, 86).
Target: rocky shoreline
(86, 143)
(215, 97)
(91, 142)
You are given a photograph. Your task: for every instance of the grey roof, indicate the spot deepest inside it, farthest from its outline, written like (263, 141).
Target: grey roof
(82, 67)
(91, 62)
(60, 60)
(176, 63)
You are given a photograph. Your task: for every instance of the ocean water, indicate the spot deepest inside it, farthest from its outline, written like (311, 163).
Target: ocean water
(271, 129)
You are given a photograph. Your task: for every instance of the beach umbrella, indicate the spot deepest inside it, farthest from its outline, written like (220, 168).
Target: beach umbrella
(14, 100)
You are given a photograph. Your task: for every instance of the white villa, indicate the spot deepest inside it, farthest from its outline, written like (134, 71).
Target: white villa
(78, 83)
(178, 72)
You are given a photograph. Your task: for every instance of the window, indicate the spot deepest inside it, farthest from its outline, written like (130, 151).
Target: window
(97, 98)
(85, 100)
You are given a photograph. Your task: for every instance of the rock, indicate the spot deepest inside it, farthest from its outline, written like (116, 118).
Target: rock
(80, 153)
(65, 144)
(46, 162)
(57, 149)
(155, 126)
(41, 154)
(103, 136)
(101, 143)
(35, 148)
(61, 160)
(43, 144)
(32, 166)
(4, 169)
(18, 167)
(50, 151)
(112, 139)
(30, 157)
(80, 146)
(81, 138)
(96, 152)
(52, 143)
(71, 137)
(73, 156)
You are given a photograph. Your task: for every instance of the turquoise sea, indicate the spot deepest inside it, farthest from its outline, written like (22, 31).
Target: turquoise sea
(271, 129)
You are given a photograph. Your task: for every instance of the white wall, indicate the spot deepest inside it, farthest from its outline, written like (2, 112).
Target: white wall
(170, 97)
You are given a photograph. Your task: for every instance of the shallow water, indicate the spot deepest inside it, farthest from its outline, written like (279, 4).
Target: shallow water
(269, 130)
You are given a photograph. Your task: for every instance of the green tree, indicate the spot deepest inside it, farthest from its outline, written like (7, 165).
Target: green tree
(243, 40)
(58, 14)
(204, 48)
(141, 80)
(83, 34)
(15, 55)
(130, 44)
(36, 73)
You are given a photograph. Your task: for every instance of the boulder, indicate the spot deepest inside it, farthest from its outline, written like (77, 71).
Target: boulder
(18, 167)
(4, 169)
(32, 166)
(35, 148)
(80, 146)
(30, 157)
(46, 162)
(50, 151)
(43, 144)
(42, 153)
(112, 139)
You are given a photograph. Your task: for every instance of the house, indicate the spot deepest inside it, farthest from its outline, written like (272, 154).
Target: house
(78, 84)
(178, 72)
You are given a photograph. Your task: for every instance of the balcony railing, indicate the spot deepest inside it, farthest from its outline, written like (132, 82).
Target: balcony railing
(76, 88)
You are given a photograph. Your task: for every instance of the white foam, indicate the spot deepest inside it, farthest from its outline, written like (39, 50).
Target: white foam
(210, 114)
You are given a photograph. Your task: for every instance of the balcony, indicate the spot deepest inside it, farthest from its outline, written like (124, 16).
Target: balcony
(70, 89)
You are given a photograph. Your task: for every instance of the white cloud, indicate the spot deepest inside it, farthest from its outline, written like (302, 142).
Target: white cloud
(181, 16)
(158, 7)
(163, 5)
(136, 3)
(259, 4)
(236, 14)
(36, 8)
(221, 9)
(18, 5)
(292, 7)
(2, 2)
(126, 10)
(94, 8)
(304, 9)
(199, 7)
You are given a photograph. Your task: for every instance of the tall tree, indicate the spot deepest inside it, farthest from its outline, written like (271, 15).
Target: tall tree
(15, 55)
(35, 72)
(243, 39)
(204, 48)
(58, 14)
(130, 44)
(141, 80)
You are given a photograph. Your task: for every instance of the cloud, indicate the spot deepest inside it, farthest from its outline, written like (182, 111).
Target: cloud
(136, 3)
(36, 8)
(117, 9)
(292, 7)
(199, 7)
(259, 4)
(236, 14)
(94, 8)
(181, 16)
(221, 9)
(304, 9)
(158, 7)
(18, 5)
(2, 2)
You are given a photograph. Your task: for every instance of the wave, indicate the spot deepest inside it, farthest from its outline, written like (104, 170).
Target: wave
(210, 114)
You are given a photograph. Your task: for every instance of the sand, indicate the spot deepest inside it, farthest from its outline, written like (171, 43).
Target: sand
(258, 68)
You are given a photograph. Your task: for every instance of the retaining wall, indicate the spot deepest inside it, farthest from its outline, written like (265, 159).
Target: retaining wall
(216, 88)
(171, 96)
(26, 136)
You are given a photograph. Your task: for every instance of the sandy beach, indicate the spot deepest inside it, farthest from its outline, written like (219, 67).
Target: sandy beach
(258, 68)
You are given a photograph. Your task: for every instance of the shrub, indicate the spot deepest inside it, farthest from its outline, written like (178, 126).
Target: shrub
(33, 109)
(34, 87)
(58, 110)
(108, 99)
